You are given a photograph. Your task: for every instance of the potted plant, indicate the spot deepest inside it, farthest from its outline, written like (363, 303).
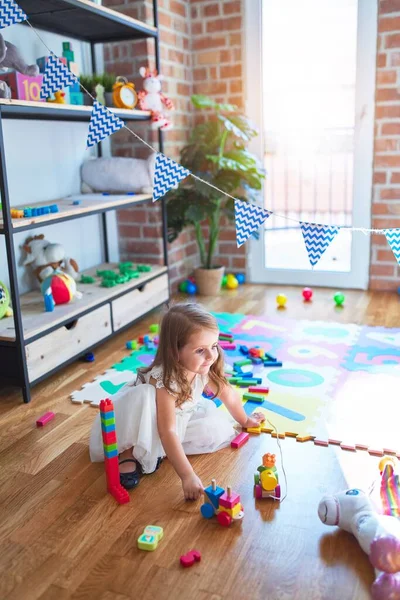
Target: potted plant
(89, 82)
(217, 153)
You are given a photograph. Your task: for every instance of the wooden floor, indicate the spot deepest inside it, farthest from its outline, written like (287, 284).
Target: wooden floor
(62, 536)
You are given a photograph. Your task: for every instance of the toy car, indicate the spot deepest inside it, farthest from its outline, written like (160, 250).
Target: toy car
(226, 506)
(266, 480)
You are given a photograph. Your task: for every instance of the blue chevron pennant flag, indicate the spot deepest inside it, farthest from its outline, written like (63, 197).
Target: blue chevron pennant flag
(248, 218)
(102, 124)
(56, 77)
(393, 239)
(10, 13)
(167, 174)
(317, 239)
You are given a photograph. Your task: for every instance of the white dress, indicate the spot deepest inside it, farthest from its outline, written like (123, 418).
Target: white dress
(200, 425)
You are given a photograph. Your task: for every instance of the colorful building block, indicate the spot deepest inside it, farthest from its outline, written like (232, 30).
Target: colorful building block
(259, 390)
(254, 398)
(229, 499)
(227, 346)
(107, 419)
(49, 416)
(272, 363)
(240, 440)
(150, 538)
(213, 493)
(187, 560)
(254, 429)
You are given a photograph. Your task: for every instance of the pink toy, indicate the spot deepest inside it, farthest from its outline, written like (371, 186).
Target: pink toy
(378, 535)
(45, 419)
(240, 440)
(187, 560)
(151, 98)
(307, 294)
(227, 345)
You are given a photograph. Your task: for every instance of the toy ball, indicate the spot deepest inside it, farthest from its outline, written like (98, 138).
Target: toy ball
(191, 288)
(339, 298)
(241, 278)
(62, 285)
(4, 300)
(183, 286)
(307, 294)
(224, 280)
(281, 300)
(231, 282)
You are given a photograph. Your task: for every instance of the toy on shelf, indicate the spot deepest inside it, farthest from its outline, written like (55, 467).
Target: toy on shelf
(266, 480)
(150, 537)
(151, 98)
(124, 93)
(24, 81)
(378, 535)
(307, 294)
(46, 258)
(5, 308)
(58, 288)
(339, 298)
(118, 175)
(59, 98)
(188, 559)
(110, 446)
(390, 486)
(225, 506)
(281, 300)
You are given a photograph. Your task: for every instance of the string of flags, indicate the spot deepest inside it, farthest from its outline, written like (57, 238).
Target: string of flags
(249, 218)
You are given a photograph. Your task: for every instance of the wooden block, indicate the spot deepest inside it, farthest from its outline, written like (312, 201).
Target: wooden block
(348, 447)
(240, 440)
(321, 443)
(334, 442)
(374, 452)
(305, 438)
(259, 390)
(361, 447)
(49, 416)
(229, 500)
(254, 429)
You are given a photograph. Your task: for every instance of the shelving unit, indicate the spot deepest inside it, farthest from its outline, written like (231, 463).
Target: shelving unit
(35, 343)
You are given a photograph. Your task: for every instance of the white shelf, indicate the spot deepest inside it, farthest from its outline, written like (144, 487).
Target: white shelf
(36, 321)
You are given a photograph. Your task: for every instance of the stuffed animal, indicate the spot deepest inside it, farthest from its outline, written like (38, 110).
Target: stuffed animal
(378, 535)
(151, 98)
(5, 309)
(10, 58)
(5, 91)
(46, 258)
(118, 175)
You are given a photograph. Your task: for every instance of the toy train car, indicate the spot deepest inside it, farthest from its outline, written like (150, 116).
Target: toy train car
(266, 480)
(226, 506)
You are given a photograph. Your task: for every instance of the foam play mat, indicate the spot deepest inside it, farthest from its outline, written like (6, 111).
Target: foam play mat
(339, 383)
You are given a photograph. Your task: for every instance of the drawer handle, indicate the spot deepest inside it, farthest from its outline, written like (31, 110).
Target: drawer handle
(71, 324)
(141, 288)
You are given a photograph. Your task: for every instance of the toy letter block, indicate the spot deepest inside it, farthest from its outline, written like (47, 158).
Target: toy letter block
(23, 87)
(187, 560)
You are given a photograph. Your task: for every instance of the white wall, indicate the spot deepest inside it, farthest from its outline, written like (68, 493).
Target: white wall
(43, 164)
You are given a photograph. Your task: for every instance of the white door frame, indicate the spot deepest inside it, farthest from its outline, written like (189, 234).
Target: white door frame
(358, 276)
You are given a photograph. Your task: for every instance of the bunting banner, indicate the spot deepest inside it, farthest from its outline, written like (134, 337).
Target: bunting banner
(317, 239)
(102, 124)
(248, 218)
(167, 174)
(56, 77)
(10, 13)
(393, 239)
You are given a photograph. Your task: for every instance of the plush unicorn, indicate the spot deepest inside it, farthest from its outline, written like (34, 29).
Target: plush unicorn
(378, 535)
(151, 98)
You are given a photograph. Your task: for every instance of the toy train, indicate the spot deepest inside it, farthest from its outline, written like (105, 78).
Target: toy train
(226, 506)
(266, 480)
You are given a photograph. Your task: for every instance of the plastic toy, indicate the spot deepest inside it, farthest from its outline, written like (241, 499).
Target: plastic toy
(266, 481)
(390, 486)
(307, 294)
(5, 309)
(241, 278)
(110, 446)
(231, 282)
(124, 93)
(88, 357)
(240, 440)
(225, 506)
(339, 298)
(151, 98)
(227, 346)
(378, 535)
(150, 537)
(281, 300)
(188, 560)
(10, 58)
(59, 98)
(49, 416)
(46, 258)
(58, 288)
(188, 287)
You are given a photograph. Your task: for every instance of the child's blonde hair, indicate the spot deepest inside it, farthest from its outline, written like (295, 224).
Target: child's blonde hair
(179, 322)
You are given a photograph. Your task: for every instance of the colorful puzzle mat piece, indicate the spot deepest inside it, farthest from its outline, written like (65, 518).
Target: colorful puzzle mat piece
(103, 386)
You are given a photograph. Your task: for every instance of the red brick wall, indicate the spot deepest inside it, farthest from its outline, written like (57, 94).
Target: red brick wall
(384, 271)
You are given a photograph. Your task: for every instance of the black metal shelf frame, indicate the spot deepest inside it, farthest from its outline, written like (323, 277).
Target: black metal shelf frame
(88, 22)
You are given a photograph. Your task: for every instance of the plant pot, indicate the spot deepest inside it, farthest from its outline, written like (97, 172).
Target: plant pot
(209, 281)
(109, 98)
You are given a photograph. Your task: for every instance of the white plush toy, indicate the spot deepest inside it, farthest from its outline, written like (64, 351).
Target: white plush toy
(118, 175)
(151, 98)
(45, 258)
(378, 535)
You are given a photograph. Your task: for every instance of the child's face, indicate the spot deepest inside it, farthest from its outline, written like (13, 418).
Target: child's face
(200, 352)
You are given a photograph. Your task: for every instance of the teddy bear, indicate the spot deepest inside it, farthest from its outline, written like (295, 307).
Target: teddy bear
(46, 258)
(151, 98)
(377, 534)
(10, 58)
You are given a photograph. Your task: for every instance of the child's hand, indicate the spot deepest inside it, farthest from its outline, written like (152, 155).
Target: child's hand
(192, 487)
(255, 420)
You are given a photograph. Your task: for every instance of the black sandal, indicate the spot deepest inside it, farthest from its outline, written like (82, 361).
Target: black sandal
(130, 480)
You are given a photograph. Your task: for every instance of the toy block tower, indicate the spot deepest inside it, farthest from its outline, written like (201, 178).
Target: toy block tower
(110, 446)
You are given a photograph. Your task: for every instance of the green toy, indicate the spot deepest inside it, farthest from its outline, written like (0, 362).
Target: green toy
(339, 298)
(5, 309)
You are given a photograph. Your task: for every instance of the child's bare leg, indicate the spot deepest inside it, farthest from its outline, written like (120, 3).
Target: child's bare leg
(127, 467)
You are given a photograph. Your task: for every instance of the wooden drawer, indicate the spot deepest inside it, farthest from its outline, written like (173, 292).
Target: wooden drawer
(53, 349)
(138, 302)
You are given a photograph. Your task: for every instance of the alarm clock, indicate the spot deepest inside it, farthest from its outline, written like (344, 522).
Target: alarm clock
(124, 93)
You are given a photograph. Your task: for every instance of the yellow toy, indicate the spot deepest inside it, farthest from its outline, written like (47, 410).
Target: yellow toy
(266, 481)
(124, 93)
(59, 98)
(281, 300)
(226, 506)
(150, 537)
(231, 282)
